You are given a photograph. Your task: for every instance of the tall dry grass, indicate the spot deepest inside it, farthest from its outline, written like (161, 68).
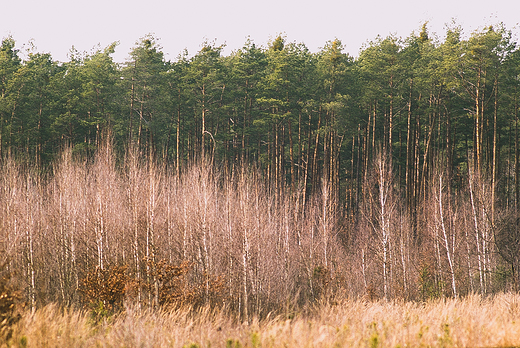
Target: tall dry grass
(470, 322)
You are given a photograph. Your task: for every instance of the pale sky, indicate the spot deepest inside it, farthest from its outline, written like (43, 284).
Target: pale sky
(56, 25)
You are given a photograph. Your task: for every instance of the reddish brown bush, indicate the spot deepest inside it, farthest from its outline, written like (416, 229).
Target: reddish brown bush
(107, 286)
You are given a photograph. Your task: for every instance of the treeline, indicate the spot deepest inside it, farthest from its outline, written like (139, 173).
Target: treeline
(395, 174)
(300, 116)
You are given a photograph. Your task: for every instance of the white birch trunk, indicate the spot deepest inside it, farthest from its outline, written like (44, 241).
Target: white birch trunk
(449, 254)
(477, 234)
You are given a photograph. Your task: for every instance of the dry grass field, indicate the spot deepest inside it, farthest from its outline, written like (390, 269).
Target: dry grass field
(469, 322)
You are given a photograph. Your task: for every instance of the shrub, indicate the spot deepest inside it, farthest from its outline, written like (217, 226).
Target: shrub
(173, 286)
(105, 289)
(9, 301)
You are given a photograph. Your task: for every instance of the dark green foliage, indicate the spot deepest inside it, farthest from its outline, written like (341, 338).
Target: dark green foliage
(301, 116)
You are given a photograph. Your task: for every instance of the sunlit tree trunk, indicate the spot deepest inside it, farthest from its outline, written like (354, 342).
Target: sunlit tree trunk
(445, 239)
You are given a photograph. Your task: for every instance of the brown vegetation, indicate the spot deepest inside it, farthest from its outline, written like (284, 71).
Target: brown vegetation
(470, 322)
(128, 232)
(9, 304)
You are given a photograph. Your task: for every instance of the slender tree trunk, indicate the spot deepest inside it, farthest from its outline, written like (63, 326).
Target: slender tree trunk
(150, 235)
(132, 98)
(203, 138)
(178, 137)
(39, 147)
(391, 121)
(307, 161)
(449, 254)
(478, 124)
(495, 154)
(384, 223)
(477, 231)
(100, 230)
(516, 183)
(30, 245)
(291, 154)
(410, 199)
(315, 157)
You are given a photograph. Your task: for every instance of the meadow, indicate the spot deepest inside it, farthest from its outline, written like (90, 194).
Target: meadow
(470, 322)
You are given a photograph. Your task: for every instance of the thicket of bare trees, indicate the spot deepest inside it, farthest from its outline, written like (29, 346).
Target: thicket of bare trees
(206, 236)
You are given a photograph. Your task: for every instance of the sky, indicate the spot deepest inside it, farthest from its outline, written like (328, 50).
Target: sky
(54, 26)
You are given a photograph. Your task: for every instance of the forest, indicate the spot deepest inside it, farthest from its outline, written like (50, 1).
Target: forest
(265, 180)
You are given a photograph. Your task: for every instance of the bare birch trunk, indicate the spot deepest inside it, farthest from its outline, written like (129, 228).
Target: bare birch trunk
(449, 254)
(477, 231)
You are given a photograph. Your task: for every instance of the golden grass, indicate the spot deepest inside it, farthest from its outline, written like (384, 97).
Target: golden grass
(469, 322)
